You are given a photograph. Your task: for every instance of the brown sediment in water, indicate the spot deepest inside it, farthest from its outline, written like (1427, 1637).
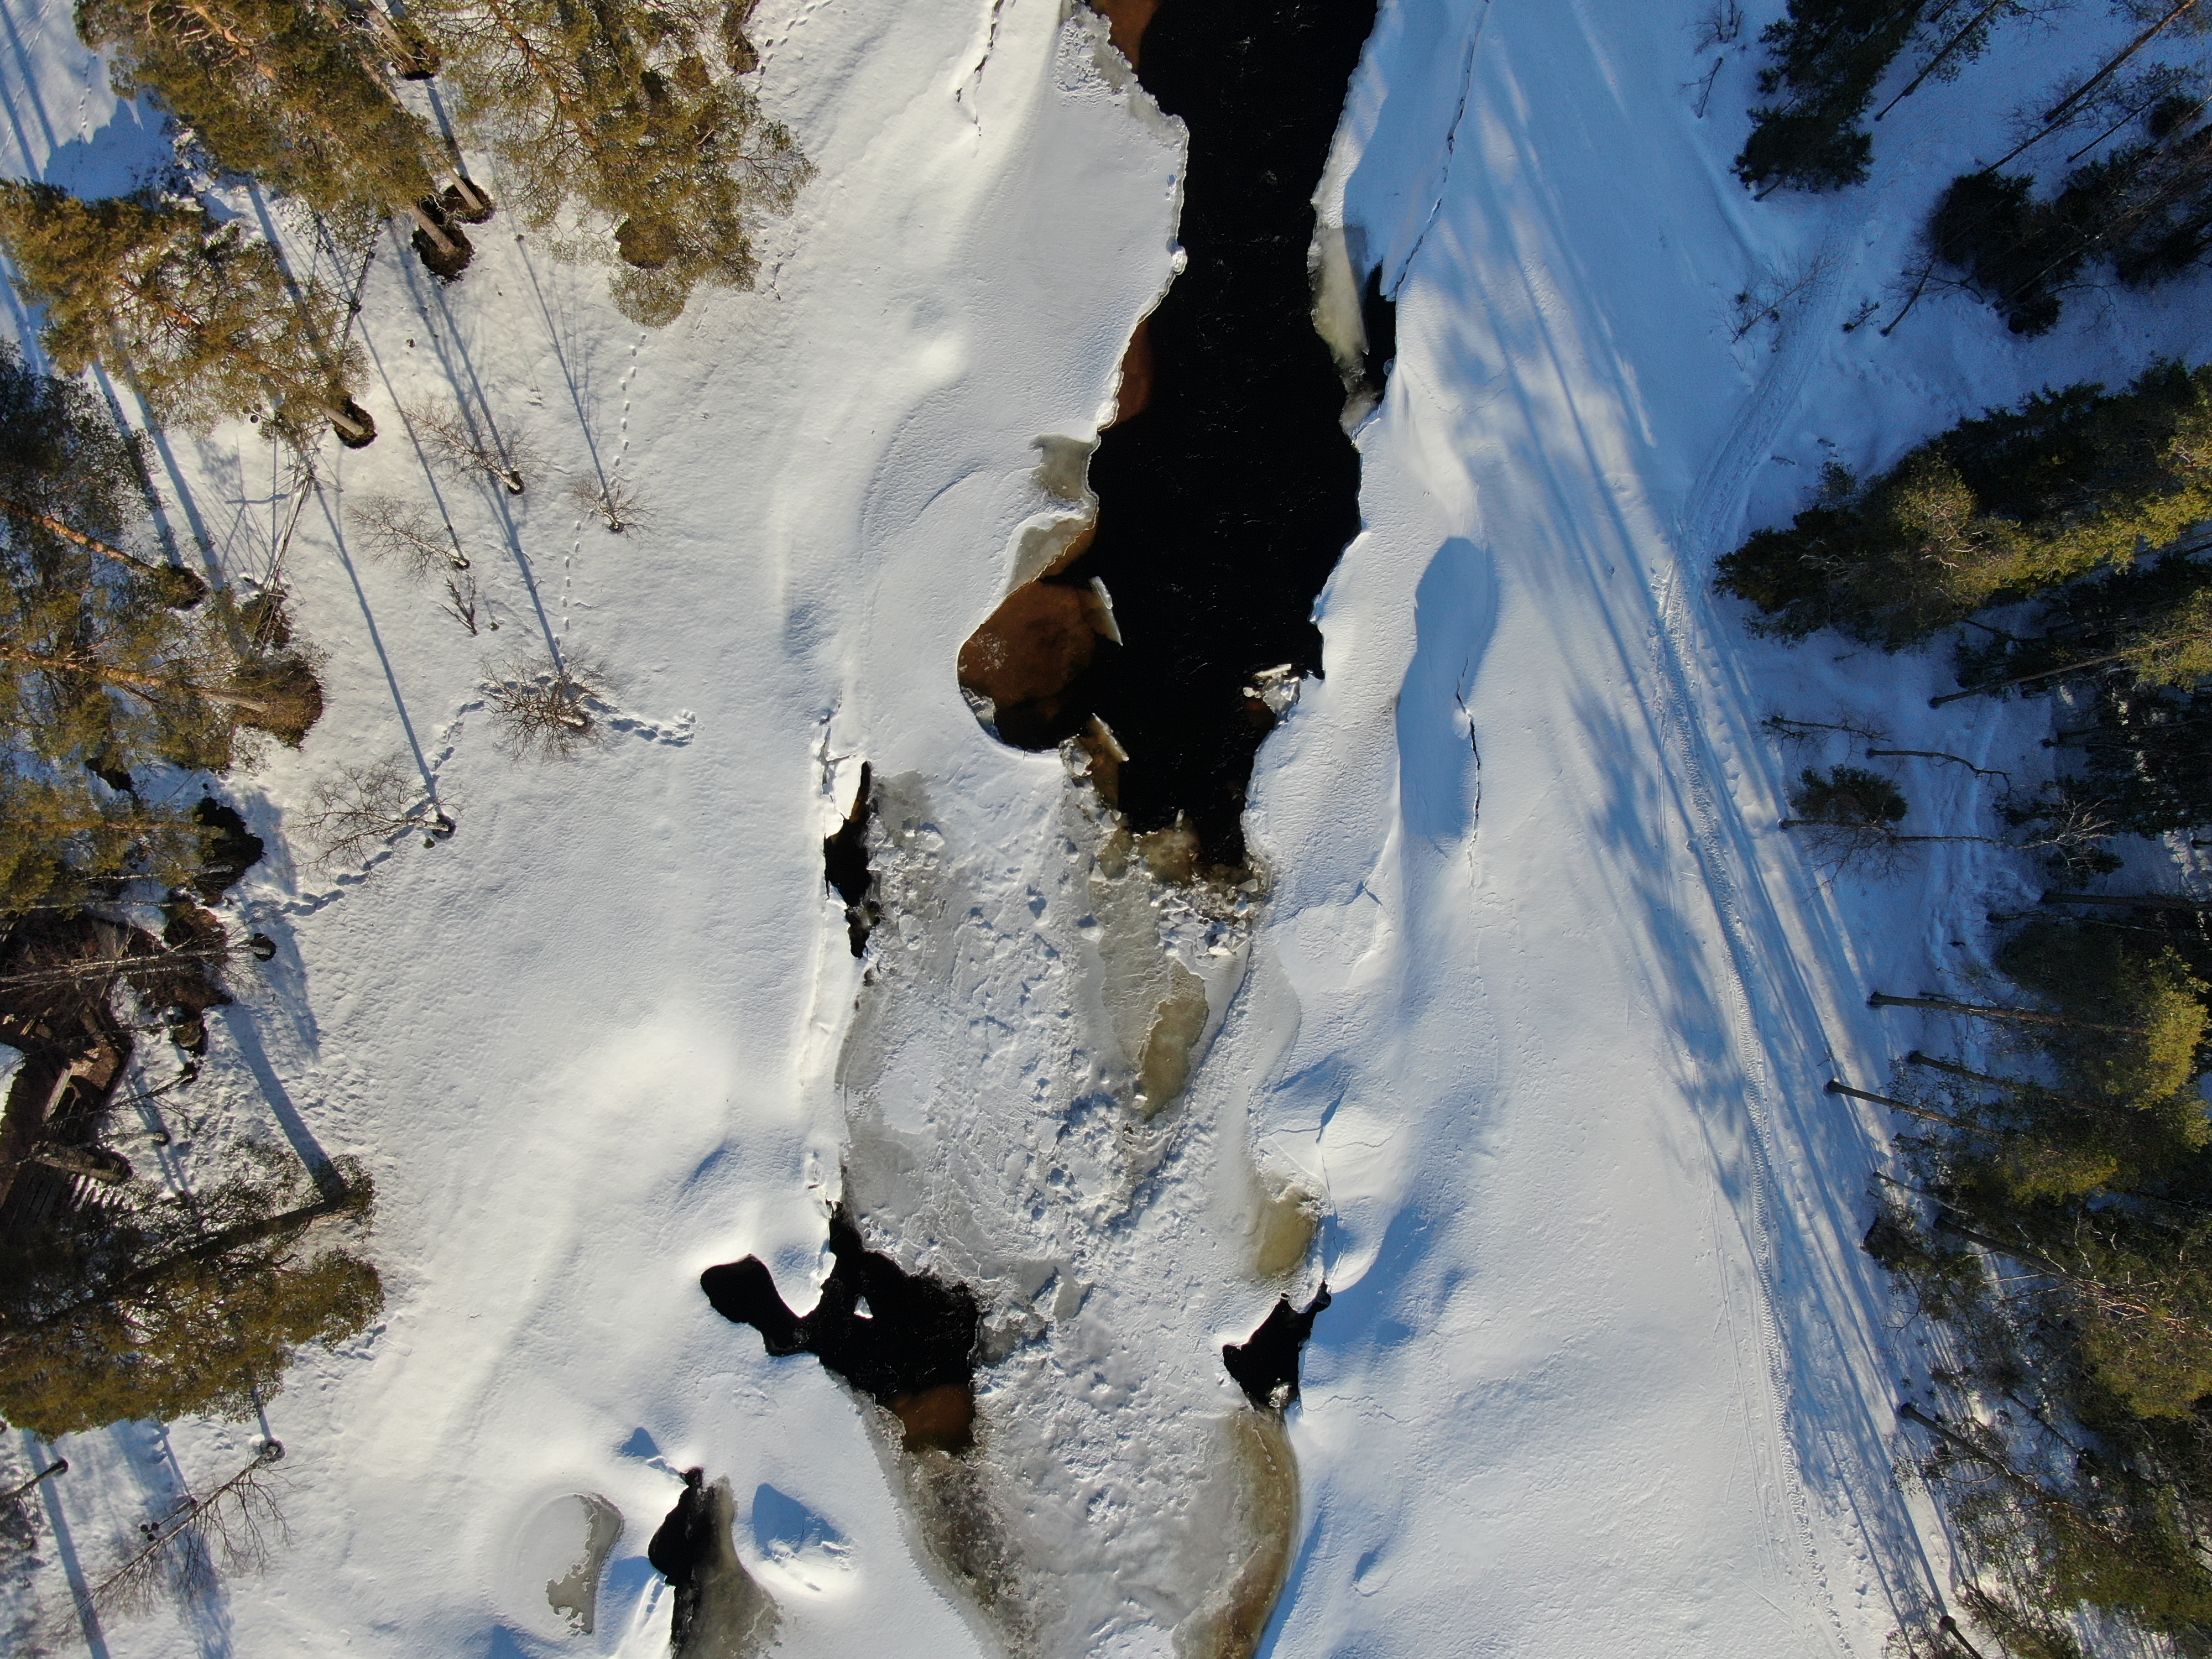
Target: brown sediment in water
(1033, 645)
(1127, 21)
(1031, 651)
(1036, 647)
(941, 1419)
(1171, 854)
(1078, 545)
(1265, 1471)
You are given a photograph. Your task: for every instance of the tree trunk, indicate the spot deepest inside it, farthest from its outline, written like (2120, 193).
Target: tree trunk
(2040, 674)
(1947, 48)
(2095, 1107)
(430, 228)
(474, 202)
(410, 58)
(1938, 754)
(220, 1243)
(1916, 1057)
(47, 521)
(2139, 901)
(2059, 110)
(1988, 1010)
(2114, 64)
(144, 687)
(356, 433)
(1905, 1106)
(1949, 1627)
(59, 1466)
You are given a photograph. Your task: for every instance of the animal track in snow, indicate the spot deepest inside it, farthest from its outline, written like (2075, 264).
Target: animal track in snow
(676, 732)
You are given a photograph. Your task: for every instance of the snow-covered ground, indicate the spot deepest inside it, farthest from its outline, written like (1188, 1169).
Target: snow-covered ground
(1538, 1004)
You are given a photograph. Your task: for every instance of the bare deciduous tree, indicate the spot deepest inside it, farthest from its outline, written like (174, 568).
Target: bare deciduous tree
(465, 442)
(613, 500)
(544, 706)
(1772, 295)
(1791, 729)
(1720, 24)
(461, 600)
(238, 1526)
(362, 805)
(17, 1527)
(407, 534)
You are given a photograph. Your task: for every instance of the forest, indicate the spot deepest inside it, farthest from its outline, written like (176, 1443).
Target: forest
(2048, 1222)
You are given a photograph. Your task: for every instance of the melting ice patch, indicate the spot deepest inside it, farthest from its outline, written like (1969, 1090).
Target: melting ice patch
(553, 1558)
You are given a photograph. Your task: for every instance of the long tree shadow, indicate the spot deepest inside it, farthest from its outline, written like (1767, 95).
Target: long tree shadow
(563, 346)
(376, 641)
(73, 1573)
(453, 357)
(430, 479)
(27, 81)
(321, 1168)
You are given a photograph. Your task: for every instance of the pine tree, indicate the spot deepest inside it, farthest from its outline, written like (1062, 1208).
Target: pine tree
(61, 840)
(617, 115)
(2145, 211)
(2000, 508)
(98, 680)
(2151, 622)
(147, 1313)
(71, 493)
(1827, 58)
(2120, 1024)
(282, 90)
(2147, 759)
(70, 478)
(204, 321)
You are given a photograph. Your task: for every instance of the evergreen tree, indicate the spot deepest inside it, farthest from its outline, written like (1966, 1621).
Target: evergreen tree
(150, 1312)
(2151, 622)
(1827, 57)
(1998, 508)
(202, 320)
(619, 116)
(2119, 1024)
(283, 90)
(98, 680)
(70, 492)
(68, 475)
(2145, 211)
(2146, 760)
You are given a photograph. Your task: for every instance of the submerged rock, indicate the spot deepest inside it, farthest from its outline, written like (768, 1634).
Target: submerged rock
(720, 1612)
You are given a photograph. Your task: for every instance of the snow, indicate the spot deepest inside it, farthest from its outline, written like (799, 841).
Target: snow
(1538, 1004)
